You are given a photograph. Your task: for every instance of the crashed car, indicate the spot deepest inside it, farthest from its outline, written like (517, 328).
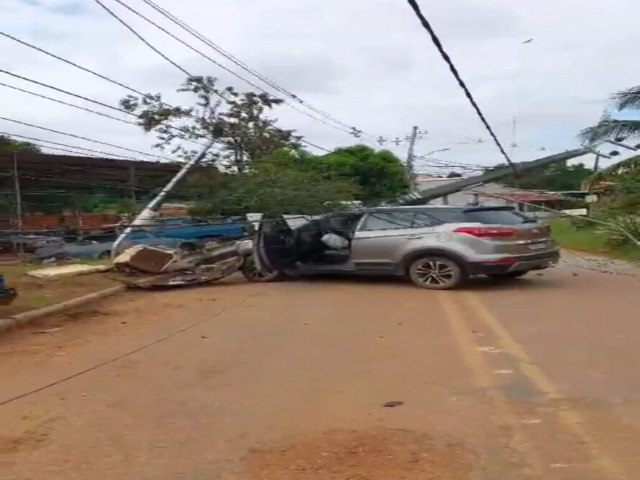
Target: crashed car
(436, 247)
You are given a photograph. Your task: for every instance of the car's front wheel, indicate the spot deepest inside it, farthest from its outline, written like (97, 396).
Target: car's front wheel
(436, 273)
(252, 273)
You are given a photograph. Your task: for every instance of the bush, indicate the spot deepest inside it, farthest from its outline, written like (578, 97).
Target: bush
(615, 232)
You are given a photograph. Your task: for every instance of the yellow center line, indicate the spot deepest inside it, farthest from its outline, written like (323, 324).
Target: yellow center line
(482, 377)
(567, 416)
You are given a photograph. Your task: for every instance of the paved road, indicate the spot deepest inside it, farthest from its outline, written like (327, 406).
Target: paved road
(534, 379)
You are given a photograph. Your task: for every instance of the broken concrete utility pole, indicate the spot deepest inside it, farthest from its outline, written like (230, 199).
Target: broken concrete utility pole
(148, 210)
(424, 196)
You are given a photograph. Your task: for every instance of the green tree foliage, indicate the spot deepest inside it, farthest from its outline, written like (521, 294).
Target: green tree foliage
(379, 175)
(238, 121)
(556, 177)
(7, 145)
(609, 128)
(271, 187)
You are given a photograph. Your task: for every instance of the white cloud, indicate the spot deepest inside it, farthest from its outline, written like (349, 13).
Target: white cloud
(367, 62)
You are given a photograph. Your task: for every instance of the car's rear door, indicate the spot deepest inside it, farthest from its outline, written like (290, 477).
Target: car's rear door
(383, 235)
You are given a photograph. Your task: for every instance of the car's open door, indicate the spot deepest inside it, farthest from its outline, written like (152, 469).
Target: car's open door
(275, 248)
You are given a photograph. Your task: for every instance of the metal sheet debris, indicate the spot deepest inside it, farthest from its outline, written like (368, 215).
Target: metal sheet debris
(171, 268)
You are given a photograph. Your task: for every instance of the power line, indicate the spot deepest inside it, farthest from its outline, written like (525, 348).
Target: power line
(46, 85)
(83, 138)
(239, 63)
(61, 101)
(321, 120)
(99, 152)
(436, 41)
(178, 66)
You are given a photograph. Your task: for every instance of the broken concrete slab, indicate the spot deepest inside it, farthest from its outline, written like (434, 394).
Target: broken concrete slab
(67, 271)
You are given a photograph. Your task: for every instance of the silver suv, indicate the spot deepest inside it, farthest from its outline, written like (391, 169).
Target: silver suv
(437, 247)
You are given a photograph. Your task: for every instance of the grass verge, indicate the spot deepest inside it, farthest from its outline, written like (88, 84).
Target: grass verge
(589, 239)
(36, 293)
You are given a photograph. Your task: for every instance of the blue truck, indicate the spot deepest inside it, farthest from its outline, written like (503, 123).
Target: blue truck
(187, 228)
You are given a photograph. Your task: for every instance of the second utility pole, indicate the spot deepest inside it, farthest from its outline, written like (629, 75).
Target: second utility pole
(410, 166)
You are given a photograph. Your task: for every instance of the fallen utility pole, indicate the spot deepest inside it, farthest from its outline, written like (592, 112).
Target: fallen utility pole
(426, 195)
(148, 210)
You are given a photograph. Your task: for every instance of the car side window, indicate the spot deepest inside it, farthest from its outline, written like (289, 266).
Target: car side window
(387, 221)
(424, 220)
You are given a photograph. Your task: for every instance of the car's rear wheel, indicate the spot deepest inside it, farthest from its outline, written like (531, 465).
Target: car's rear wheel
(436, 273)
(507, 275)
(105, 255)
(252, 273)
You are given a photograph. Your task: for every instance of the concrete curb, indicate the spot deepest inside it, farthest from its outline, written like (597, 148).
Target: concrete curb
(22, 319)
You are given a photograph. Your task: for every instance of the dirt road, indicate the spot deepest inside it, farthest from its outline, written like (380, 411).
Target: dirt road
(534, 379)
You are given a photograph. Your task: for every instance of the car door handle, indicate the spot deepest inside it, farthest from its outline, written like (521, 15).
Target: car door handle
(413, 237)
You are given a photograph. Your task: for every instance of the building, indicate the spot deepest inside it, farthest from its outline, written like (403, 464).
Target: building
(494, 194)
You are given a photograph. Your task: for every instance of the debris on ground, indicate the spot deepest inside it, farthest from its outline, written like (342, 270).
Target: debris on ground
(67, 271)
(393, 404)
(175, 268)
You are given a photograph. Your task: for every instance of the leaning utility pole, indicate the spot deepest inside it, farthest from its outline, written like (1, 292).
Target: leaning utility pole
(148, 210)
(410, 166)
(18, 192)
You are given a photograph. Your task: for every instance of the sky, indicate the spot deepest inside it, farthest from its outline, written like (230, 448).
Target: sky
(368, 63)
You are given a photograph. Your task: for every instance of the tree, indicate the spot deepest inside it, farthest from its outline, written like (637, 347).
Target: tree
(555, 177)
(272, 188)
(609, 128)
(236, 120)
(8, 145)
(380, 175)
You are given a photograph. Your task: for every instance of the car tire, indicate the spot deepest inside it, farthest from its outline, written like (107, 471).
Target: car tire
(250, 271)
(105, 255)
(436, 273)
(507, 275)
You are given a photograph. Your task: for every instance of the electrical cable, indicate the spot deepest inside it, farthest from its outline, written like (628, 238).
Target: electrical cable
(60, 101)
(128, 353)
(246, 67)
(436, 41)
(99, 152)
(111, 80)
(84, 138)
(183, 70)
(46, 85)
(235, 74)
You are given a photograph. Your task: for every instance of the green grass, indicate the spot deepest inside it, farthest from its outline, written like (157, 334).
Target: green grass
(589, 239)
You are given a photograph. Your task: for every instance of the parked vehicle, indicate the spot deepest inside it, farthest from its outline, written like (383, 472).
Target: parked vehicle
(102, 249)
(197, 231)
(437, 247)
(7, 294)
(29, 243)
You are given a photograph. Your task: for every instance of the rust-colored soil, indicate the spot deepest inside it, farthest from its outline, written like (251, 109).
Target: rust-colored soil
(383, 454)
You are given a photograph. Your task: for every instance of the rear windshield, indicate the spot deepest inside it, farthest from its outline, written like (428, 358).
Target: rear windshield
(486, 216)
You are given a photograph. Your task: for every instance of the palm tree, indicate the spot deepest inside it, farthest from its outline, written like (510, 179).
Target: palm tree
(609, 128)
(629, 169)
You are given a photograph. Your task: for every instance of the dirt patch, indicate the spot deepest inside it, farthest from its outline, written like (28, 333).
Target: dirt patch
(362, 455)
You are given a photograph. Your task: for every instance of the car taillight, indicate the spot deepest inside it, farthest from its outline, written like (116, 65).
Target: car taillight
(488, 232)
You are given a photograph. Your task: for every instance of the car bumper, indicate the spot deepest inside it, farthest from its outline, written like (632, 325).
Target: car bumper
(523, 263)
